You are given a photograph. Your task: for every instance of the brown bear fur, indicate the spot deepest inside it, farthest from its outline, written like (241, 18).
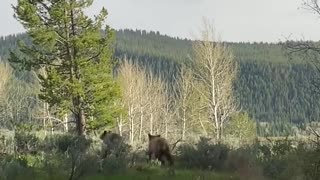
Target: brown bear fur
(111, 142)
(159, 149)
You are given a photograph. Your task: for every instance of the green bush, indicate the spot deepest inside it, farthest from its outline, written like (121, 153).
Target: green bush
(63, 143)
(55, 165)
(26, 142)
(239, 158)
(113, 165)
(242, 127)
(204, 155)
(281, 161)
(14, 168)
(310, 163)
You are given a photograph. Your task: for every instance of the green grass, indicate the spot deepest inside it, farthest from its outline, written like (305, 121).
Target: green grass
(163, 174)
(147, 173)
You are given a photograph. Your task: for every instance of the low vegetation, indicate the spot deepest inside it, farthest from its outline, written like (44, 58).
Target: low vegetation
(74, 157)
(72, 91)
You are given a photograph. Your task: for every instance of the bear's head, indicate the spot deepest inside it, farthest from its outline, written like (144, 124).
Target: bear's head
(103, 135)
(153, 136)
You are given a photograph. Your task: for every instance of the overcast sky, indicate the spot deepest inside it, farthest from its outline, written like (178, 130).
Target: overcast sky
(234, 20)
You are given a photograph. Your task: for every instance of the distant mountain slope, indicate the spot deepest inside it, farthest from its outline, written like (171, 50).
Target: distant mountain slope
(161, 46)
(270, 86)
(152, 43)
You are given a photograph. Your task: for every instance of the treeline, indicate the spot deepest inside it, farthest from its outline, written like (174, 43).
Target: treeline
(271, 87)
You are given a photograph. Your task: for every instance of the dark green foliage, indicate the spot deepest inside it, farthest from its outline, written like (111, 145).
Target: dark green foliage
(74, 54)
(278, 92)
(114, 165)
(12, 168)
(277, 160)
(26, 142)
(66, 155)
(286, 162)
(65, 143)
(271, 87)
(204, 155)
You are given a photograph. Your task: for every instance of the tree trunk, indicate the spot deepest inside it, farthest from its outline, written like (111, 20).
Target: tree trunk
(217, 124)
(202, 125)
(119, 123)
(218, 133)
(51, 124)
(166, 128)
(221, 129)
(141, 123)
(131, 125)
(184, 124)
(151, 123)
(44, 118)
(80, 121)
(66, 127)
(79, 116)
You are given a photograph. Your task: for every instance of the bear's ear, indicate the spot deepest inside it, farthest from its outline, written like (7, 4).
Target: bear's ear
(103, 134)
(150, 136)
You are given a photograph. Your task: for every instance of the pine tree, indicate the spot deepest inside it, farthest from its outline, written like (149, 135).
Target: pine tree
(75, 54)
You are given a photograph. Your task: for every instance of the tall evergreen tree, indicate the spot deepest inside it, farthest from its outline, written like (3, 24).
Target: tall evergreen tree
(75, 54)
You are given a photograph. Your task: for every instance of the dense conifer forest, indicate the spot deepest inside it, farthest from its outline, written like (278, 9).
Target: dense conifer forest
(271, 86)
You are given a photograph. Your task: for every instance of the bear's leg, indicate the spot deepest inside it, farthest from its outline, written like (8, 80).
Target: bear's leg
(169, 158)
(151, 156)
(105, 154)
(162, 159)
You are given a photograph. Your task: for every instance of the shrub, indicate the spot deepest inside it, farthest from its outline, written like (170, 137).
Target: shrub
(310, 163)
(204, 155)
(242, 127)
(63, 143)
(54, 165)
(282, 161)
(12, 168)
(114, 165)
(26, 142)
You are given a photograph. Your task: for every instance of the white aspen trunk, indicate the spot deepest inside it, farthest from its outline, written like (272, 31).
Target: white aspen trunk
(44, 118)
(131, 125)
(151, 123)
(51, 124)
(202, 125)
(184, 124)
(120, 124)
(221, 128)
(214, 103)
(166, 128)
(217, 124)
(49, 116)
(66, 127)
(141, 123)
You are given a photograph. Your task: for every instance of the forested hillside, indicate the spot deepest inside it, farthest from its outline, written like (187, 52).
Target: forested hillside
(271, 87)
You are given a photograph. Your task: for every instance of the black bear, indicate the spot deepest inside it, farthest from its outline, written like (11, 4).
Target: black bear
(159, 149)
(112, 142)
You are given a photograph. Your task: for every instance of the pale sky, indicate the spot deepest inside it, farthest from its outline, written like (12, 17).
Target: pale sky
(234, 20)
